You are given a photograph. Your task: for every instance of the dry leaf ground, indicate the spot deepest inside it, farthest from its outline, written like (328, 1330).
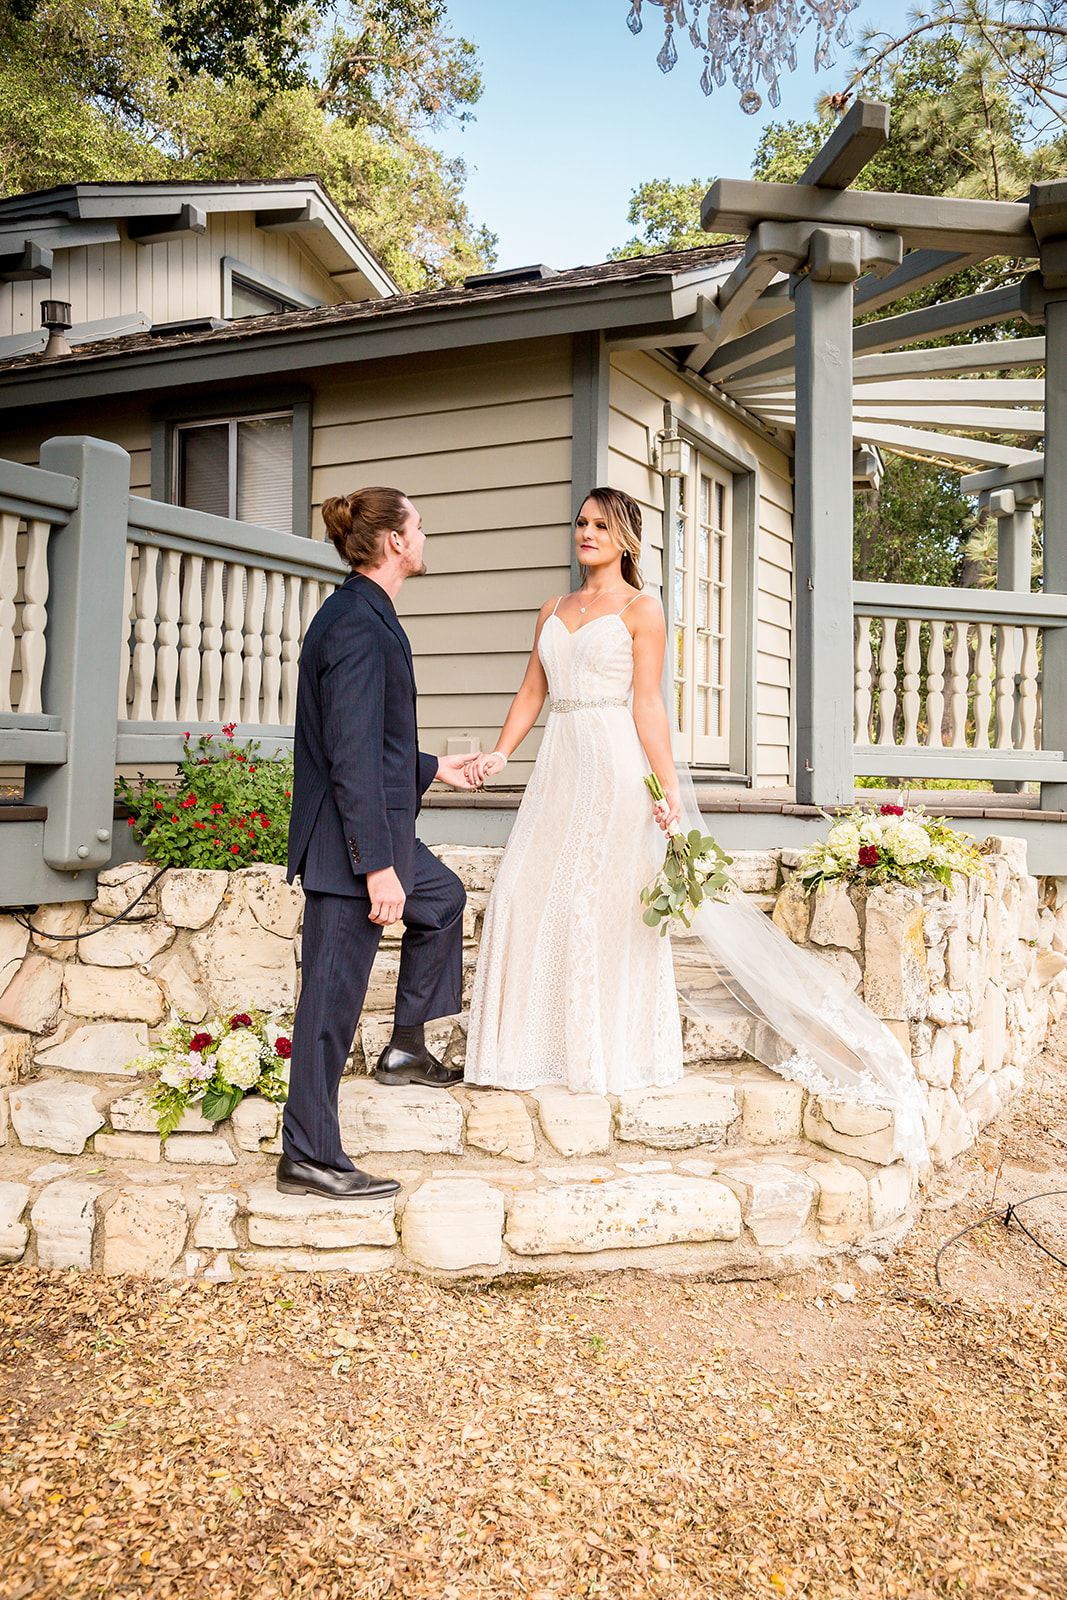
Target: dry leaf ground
(618, 1435)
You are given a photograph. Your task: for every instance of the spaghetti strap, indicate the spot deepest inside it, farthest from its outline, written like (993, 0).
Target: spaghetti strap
(628, 604)
(555, 608)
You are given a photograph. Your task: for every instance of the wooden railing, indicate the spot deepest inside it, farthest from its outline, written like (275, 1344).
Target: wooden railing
(948, 682)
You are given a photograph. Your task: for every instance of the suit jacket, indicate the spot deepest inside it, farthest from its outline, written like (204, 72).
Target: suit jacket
(359, 775)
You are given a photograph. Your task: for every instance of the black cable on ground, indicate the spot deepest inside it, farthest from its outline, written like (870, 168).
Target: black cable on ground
(1008, 1216)
(23, 920)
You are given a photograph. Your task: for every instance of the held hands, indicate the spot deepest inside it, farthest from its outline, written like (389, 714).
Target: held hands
(454, 770)
(386, 896)
(668, 811)
(480, 767)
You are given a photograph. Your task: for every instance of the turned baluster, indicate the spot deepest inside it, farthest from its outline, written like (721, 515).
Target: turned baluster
(983, 684)
(272, 647)
(189, 659)
(1005, 687)
(1028, 688)
(862, 659)
(252, 674)
(144, 633)
(910, 698)
(935, 685)
(33, 644)
(211, 665)
(958, 676)
(125, 651)
(9, 585)
(233, 642)
(887, 682)
(167, 635)
(291, 634)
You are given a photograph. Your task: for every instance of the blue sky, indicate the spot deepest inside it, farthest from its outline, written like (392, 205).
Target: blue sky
(576, 113)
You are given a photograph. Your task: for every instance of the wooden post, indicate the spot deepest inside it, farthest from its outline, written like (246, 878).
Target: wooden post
(86, 561)
(822, 522)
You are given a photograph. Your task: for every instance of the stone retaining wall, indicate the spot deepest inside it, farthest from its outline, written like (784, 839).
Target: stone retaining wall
(731, 1171)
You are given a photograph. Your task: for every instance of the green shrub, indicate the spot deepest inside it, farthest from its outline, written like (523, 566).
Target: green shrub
(230, 807)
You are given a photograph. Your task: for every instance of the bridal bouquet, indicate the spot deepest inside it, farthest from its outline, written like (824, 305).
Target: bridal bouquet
(895, 844)
(693, 868)
(217, 1063)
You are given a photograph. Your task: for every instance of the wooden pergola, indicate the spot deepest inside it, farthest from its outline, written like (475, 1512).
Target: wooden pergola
(818, 255)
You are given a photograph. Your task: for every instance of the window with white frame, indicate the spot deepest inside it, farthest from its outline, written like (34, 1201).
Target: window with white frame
(239, 467)
(702, 559)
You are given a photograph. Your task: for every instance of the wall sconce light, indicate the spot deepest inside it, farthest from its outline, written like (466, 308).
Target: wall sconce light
(671, 454)
(55, 316)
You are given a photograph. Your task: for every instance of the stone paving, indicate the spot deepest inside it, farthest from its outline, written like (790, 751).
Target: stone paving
(731, 1172)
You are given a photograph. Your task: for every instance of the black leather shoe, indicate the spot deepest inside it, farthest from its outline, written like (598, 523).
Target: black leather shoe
(307, 1177)
(402, 1066)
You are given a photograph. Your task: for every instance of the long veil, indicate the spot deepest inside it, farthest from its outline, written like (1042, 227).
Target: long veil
(807, 1024)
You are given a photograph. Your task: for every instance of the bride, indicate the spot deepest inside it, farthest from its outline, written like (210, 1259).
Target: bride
(572, 986)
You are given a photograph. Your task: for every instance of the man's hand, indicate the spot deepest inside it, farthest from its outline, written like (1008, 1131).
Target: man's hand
(386, 896)
(450, 769)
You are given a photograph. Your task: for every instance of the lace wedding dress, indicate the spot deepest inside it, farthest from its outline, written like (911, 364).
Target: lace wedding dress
(572, 987)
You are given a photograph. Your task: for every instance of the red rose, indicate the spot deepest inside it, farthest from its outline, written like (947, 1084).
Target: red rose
(283, 1047)
(891, 811)
(869, 856)
(240, 1019)
(200, 1041)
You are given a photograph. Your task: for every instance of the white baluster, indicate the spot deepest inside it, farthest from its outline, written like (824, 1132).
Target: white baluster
(233, 642)
(958, 676)
(9, 585)
(1028, 685)
(291, 635)
(862, 658)
(1005, 687)
(144, 633)
(935, 684)
(189, 659)
(309, 605)
(272, 649)
(32, 645)
(887, 682)
(910, 697)
(252, 676)
(167, 636)
(983, 684)
(211, 666)
(125, 656)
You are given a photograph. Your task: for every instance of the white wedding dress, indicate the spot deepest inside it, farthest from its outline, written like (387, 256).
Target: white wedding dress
(572, 986)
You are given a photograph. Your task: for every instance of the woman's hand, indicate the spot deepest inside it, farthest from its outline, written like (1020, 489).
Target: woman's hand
(668, 812)
(480, 767)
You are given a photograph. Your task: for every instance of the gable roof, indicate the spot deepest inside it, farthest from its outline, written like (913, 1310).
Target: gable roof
(75, 214)
(637, 292)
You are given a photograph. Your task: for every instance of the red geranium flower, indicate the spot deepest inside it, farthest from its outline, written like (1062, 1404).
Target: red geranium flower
(200, 1041)
(131, 822)
(199, 824)
(283, 1047)
(264, 822)
(240, 1019)
(869, 855)
(228, 728)
(216, 808)
(175, 817)
(235, 849)
(891, 811)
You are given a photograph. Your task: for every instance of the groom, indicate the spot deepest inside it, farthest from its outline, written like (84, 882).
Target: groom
(358, 786)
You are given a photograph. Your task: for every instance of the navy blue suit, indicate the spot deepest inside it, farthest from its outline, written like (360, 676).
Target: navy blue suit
(358, 785)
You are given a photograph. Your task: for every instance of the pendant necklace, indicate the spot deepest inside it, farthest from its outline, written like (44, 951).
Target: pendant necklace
(585, 608)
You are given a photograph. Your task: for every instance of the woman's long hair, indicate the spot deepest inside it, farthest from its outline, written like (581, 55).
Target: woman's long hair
(622, 514)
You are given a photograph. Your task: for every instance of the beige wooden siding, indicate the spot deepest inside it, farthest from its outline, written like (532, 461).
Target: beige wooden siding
(639, 386)
(481, 441)
(168, 282)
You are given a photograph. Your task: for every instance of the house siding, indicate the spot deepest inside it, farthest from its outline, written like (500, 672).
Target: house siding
(167, 282)
(481, 441)
(639, 386)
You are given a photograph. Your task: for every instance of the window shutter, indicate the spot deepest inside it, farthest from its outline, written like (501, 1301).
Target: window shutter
(203, 469)
(265, 472)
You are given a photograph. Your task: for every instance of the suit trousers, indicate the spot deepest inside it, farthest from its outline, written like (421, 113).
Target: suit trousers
(339, 943)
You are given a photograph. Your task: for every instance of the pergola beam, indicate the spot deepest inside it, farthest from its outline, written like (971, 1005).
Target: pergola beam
(933, 392)
(977, 227)
(918, 270)
(939, 447)
(859, 135)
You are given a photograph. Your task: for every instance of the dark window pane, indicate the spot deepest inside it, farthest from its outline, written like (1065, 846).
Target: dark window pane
(246, 300)
(265, 472)
(203, 468)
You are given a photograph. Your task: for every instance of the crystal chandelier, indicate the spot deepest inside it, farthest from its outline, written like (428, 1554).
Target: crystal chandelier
(749, 40)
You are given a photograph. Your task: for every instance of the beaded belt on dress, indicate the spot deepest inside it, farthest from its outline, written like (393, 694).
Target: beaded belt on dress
(584, 705)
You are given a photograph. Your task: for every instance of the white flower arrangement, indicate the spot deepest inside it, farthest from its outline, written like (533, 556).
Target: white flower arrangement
(896, 844)
(215, 1064)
